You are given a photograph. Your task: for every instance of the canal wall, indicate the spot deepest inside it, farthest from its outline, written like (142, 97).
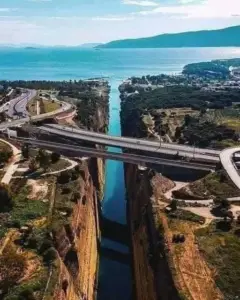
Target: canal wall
(78, 243)
(151, 269)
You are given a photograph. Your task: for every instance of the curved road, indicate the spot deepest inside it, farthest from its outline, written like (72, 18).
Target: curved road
(19, 105)
(226, 158)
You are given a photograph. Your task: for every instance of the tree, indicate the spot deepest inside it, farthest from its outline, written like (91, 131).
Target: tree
(25, 151)
(174, 204)
(6, 200)
(178, 133)
(33, 165)
(43, 159)
(225, 204)
(4, 156)
(55, 157)
(50, 255)
(64, 177)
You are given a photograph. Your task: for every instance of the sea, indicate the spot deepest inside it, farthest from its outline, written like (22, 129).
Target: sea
(116, 65)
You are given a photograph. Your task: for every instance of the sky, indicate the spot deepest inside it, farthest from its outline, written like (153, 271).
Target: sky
(74, 22)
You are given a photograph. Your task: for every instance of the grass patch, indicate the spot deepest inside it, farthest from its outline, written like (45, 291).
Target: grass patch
(181, 214)
(214, 185)
(25, 210)
(36, 285)
(47, 106)
(222, 251)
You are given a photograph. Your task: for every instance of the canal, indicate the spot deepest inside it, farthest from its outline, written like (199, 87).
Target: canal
(114, 277)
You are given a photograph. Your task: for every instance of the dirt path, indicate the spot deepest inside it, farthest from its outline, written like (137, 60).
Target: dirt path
(193, 275)
(178, 186)
(12, 167)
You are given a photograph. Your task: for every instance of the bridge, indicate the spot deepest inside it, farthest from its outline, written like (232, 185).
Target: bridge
(124, 157)
(202, 155)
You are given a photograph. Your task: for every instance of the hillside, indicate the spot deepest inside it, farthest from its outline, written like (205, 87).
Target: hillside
(226, 37)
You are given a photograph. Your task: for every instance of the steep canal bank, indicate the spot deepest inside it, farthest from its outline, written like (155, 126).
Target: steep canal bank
(114, 277)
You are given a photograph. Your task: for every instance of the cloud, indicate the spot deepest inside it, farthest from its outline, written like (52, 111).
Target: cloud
(112, 18)
(205, 9)
(140, 2)
(188, 1)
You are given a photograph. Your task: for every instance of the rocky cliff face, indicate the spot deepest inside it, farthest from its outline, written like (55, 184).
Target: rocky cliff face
(77, 245)
(78, 241)
(153, 279)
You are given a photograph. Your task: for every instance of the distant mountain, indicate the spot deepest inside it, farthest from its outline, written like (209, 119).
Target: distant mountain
(90, 45)
(227, 37)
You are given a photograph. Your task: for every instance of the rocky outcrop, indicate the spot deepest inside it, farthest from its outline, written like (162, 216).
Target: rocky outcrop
(152, 275)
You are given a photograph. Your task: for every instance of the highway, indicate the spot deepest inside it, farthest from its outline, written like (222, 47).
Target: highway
(206, 155)
(226, 158)
(125, 157)
(20, 102)
(18, 105)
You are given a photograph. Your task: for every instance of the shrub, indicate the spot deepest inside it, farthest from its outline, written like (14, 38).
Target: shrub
(46, 244)
(55, 157)
(27, 294)
(6, 200)
(50, 255)
(64, 177)
(66, 190)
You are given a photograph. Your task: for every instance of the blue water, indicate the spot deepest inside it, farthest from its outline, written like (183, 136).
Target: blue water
(116, 65)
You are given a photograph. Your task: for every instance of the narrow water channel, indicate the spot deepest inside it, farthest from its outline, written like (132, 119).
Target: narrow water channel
(114, 277)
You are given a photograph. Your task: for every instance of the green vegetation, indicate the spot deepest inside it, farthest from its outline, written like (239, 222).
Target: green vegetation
(214, 68)
(210, 69)
(12, 266)
(204, 133)
(67, 194)
(136, 105)
(222, 251)
(6, 199)
(215, 185)
(30, 290)
(25, 210)
(229, 117)
(181, 214)
(5, 152)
